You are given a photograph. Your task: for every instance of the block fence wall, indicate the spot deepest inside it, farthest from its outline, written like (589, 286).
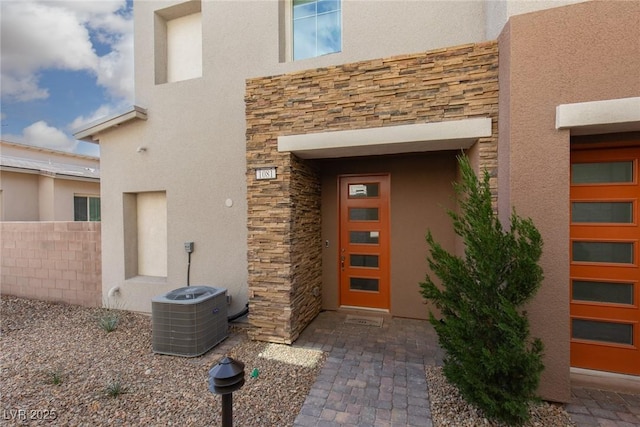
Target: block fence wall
(52, 261)
(284, 218)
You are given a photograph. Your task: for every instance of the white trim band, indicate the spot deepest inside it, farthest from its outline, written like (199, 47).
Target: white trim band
(612, 115)
(449, 135)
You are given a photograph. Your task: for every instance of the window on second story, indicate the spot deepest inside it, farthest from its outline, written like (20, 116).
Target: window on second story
(86, 208)
(317, 28)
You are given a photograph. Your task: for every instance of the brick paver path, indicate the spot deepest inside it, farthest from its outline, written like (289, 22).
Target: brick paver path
(374, 376)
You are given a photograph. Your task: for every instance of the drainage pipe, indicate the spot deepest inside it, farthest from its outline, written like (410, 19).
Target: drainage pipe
(242, 313)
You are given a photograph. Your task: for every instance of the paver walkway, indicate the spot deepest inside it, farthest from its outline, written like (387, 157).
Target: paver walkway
(374, 376)
(589, 407)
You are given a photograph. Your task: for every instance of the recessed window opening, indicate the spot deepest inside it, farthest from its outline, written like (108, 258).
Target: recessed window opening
(145, 234)
(178, 43)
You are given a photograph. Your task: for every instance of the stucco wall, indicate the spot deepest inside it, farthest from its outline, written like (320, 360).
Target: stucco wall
(65, 190)
(584, 52)
(33, 197)
(52, 261)
(446, 84)
(19, 196)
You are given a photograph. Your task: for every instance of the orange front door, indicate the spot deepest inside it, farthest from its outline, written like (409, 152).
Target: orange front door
(604, 289)
(364, 241)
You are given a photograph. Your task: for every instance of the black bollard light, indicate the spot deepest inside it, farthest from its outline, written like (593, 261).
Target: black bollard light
(225, 378)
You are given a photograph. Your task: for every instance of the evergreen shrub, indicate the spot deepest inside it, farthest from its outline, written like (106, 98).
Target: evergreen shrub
(483, 329)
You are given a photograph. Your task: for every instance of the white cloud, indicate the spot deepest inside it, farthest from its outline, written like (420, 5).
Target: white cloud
(37, 35)
(115, 70)
(42, 135)
(22, 88)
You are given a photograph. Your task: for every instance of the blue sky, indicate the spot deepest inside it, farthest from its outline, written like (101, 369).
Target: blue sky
(63, 64)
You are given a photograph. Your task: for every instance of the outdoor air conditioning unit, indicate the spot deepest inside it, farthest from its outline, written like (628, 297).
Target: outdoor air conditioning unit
(189, 321)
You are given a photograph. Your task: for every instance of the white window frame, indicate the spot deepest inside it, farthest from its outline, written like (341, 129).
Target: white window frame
(88, 198)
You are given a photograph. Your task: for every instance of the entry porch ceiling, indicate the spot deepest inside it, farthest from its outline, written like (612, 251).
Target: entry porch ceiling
(421, 137)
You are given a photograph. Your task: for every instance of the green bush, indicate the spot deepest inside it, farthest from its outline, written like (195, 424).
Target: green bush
(484, 331)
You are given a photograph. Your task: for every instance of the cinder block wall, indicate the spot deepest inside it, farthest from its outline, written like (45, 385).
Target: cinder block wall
(52, 261)
(284, 239)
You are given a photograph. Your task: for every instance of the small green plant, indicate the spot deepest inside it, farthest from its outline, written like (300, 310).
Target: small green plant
(108, 321)
(109, 316)
(55, 376)
(115, 388)
(484, 331)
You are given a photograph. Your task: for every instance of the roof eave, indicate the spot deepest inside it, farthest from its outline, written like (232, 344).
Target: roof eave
(91, 130)
(60, 175)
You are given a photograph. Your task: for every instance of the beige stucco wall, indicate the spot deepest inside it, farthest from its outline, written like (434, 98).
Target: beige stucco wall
(19, 196)
(184, 47)
(498, 11)
(585, 52)
(65, 190)
(32, 197)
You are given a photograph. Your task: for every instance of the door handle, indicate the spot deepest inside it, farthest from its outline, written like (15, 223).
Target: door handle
(342, 262)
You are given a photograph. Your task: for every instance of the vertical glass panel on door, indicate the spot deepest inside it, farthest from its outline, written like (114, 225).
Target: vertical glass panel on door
(364, 237)
(357, 191)
(363, 214)
(604, 292)
(370, 261)
(610, 252)
(602, 212)
(362, 284)
(602, 173)
(596, 330)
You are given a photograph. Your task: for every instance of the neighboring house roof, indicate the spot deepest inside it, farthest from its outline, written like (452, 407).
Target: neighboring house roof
(86, 169)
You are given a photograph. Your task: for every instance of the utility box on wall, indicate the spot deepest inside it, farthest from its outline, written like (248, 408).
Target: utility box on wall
(189, 321)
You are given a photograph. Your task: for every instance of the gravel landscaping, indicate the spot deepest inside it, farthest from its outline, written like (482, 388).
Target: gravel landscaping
(59, 364)
(43, 344)
(449, 409)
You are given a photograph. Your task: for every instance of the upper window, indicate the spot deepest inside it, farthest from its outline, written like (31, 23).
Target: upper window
(86, 208)
(317, 28)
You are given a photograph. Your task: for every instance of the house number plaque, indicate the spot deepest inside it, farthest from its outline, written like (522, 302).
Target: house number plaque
(266, 173)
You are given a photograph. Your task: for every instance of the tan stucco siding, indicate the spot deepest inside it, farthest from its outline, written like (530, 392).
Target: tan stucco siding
(585, 52)
(20, 196)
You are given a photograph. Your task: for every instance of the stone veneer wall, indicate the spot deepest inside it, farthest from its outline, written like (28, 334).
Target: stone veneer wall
(284, 237)
(52, 261)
